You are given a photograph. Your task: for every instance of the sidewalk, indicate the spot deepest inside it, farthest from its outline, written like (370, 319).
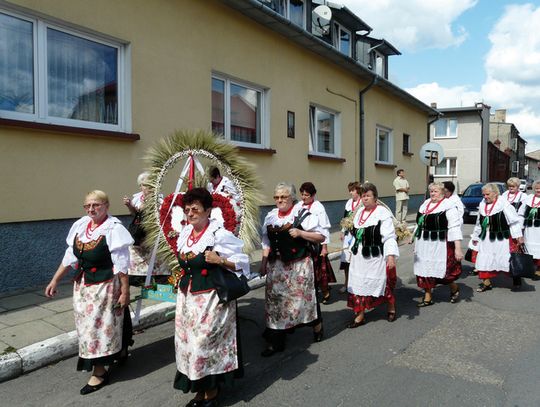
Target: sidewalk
(36, 331)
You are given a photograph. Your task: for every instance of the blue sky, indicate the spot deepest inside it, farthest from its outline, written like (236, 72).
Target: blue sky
(459, 52)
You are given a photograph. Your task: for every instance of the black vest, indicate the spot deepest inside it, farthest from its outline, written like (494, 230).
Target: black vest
(372, 245)
(435, 226)
(94, 260)
(498, 226)
(533, 221)
(194, 268)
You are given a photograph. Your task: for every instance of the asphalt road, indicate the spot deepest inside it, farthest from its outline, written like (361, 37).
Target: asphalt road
(482, 351)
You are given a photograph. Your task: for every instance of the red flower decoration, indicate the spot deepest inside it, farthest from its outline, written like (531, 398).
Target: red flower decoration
(204, 272)
(93, 269)
(218, 201)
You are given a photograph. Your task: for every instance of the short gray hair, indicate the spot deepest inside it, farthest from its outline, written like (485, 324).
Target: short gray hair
(143, 176)
(287, 187)
(514, 181)
(439, 185)
(535, 183)
(490, 186)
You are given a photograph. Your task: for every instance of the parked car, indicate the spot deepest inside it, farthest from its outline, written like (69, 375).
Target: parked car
(523, 185)
(529, 183)
(472, 196)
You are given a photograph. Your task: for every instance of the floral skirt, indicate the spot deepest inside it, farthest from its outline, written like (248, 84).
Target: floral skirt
(290, 294)
(453, 271)
(100, 326)
(206, 342)
(360, 303)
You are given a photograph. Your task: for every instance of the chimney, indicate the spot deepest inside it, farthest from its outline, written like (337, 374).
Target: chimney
(500, 115)
(434, 105)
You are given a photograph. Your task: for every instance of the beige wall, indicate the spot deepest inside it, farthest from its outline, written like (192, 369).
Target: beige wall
(175, 46)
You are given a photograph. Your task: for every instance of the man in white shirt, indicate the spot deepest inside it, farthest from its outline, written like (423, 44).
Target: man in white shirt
(221, 185)
(401, 186)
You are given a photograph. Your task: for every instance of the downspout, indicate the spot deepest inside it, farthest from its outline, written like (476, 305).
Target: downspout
(362, 120)
(428, 133)
(483, 175)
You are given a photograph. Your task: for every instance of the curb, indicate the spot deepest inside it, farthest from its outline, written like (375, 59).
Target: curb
(40, 354)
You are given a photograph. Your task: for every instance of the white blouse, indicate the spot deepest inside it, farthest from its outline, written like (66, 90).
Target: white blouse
(220, 240)
(509, 212)
(116, 235)
(316, 208)
(452, 215)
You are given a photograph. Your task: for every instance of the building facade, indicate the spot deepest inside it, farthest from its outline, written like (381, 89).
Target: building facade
(87, 87)
(506, 137)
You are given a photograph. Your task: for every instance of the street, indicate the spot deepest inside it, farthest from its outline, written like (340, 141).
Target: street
(482, 351)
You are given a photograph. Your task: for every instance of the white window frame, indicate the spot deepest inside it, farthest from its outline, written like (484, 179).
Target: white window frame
(265, 97)
(338, 28)
(447, 174)
(377, 54)
(390, 151)
(448, 136)
(40, 76)
(313, 139)
(286, 5)
(515, 166)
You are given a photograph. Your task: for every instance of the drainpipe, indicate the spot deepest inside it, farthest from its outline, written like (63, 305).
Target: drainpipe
(483, 175)
(362, 131)
(428, 125)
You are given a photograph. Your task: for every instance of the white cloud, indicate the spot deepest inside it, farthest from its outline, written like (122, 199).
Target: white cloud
(413, 25)
(457, 96)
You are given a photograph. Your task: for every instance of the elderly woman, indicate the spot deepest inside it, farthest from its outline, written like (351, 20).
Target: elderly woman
(139, 254)
(291, 299)
(497, 221)
(372, 274)
(437, 251)
(206, 336)
(513, 194)
(530, 220)
(323, 271)
(98, 249)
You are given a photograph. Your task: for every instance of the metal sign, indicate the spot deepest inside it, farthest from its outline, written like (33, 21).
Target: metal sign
(431, 154)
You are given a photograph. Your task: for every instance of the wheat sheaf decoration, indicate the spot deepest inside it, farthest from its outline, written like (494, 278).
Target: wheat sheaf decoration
(205, 149)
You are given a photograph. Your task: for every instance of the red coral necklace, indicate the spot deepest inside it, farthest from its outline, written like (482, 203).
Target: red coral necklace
(284, 214)
(353, 206)
(363, 220)
(192, 239)
(488, 211)
(429, 210)
(90, 229)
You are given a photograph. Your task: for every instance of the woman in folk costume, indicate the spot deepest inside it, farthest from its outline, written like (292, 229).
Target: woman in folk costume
(530, 220)
(323, 270)
(513, 194)
(497, 221)
(372, 273)
(351, 206)
(437, 251)
(206, 336)
(98, 249)
(291, 299)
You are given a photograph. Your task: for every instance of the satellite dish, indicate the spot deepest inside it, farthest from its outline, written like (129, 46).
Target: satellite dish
(320, 20)
(431, 154)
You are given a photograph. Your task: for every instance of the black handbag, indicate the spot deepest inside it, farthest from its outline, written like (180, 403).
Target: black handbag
(522, 264)
(469, 255)
(228, 285)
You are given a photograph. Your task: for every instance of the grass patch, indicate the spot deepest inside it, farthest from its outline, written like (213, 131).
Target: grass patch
(9, 349)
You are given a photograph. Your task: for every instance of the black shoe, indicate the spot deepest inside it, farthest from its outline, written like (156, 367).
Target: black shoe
(195, 403)
(318, 336)
(90, 388)
(355, 324)
(210, 403)
(425, 303)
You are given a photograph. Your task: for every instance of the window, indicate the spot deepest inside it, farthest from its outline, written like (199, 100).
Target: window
(294, 10)
(323, 131)
(380, 67)
(515, 166)
(342, 39)
(237, 111)
(446, 128)
(384, 146)
(56, 75)
(447, 167)
(406, 143)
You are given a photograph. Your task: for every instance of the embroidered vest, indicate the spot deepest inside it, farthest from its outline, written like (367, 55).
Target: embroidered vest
(531, 218)
(434, 227)
(497, 226)
(94, 260)
(371, 240)
(283, 245)
(195, 269)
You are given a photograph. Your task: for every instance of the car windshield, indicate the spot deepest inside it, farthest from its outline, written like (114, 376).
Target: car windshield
(473, 190)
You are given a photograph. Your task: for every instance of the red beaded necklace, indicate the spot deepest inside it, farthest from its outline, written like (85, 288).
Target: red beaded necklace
(353, 206)
(284, 214)
(308, 206)
(361, 221)
(90, 229)
(535, 205)
(488, 211)
(192, 239)
(515, 196)
(429, 210)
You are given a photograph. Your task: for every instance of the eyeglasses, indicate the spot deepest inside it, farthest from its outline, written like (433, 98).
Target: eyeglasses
(91, 206)
(193, 210)
(281, 197)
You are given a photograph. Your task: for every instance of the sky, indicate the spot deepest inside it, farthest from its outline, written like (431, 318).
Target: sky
(460, 52)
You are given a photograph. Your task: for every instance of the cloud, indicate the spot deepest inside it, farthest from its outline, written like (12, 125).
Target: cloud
(456, 96)
(414, 25)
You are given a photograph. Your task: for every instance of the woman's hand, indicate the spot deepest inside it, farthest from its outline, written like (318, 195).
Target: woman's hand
(342, 236)
(324, 250)
(212, 257)
(474, 242)
(294, 232)
(50, 290)
(458, 253)
(520, 240)
(391, 262)
(123, 300)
